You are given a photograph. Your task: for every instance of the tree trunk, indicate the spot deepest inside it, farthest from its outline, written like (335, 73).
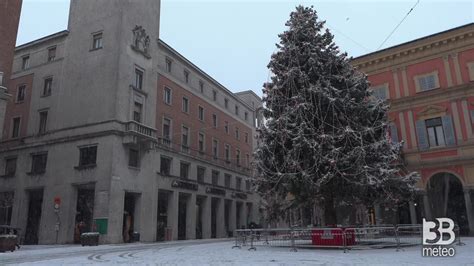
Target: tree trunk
(330, 216)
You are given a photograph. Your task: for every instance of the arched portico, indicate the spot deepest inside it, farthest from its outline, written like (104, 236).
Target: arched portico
(447, 196)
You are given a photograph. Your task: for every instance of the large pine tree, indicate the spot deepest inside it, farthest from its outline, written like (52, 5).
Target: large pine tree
(324, 140)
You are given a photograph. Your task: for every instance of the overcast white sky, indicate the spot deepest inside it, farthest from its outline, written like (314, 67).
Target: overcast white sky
(232, 40)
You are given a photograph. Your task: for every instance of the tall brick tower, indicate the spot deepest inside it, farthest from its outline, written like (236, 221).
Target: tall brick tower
(9, 18)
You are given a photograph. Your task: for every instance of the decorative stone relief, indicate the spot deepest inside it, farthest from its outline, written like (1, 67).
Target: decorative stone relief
(141, 41)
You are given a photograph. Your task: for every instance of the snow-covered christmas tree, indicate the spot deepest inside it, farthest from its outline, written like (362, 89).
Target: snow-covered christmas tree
(324, 140)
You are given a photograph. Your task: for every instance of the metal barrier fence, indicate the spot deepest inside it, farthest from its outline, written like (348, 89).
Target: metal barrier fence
(354, 237)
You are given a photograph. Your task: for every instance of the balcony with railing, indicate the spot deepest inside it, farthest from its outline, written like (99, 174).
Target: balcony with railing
(137, 132)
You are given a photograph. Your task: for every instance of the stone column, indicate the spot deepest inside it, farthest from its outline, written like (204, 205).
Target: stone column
(206, 218)
(426, 205)
(378, 214)
(220, 223)
(114, 205)
(191, 217)
(173, 205)
(232, 216)
(413, 212)
(469, 211)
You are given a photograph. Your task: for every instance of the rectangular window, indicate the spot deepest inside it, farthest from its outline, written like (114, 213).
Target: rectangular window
(138, 79)
(137, 112)
(201, 142)
(185, 107)
(226, 103)
(247, 156)
(167, 95)
(10, 167)
(38, 163)
(380, 92)
(133, 158)
(227, 179)
(165, 166)
(48, 84)
(226, 127)
(87, 156)
(51, 54)
(246, 137)
(247, 185)
(20, 95)
(237, 133)
(97, 41)
(434, 127)
(427, 82)
(201, 172)
(227, 152)
(43, 120)
(201, 113)
(215, 177)
(185, 139)
(238, 183)
(214, 120)
(184, 170)
(237, 157)
(201, 86)
(168, 65)
(25, 62)
(166, 128)
(236, 110)
(186, 76)
(16, 127)
(215, 151)
(214, 95)
(246, 116)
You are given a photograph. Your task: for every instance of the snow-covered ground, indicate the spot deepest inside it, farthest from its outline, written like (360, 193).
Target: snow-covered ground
(211, 252)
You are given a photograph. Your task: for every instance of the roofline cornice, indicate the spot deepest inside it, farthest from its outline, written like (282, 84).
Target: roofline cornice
(432, 44)
(41, 40)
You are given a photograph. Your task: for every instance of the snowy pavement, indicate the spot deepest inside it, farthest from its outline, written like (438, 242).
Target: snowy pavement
(212, 252)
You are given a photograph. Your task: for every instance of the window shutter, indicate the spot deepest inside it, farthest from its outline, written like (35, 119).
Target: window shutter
(448, 130)
(472, 116)
(421, 134)
(393, 133)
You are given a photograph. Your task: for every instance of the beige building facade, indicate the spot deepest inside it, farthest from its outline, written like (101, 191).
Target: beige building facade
(109, 129)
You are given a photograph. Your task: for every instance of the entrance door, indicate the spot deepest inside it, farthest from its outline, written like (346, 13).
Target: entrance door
(34, 216)
(84, 212)
(182, 208)
(162, 215)
(199, 210)
(446, 198)
(214, 203)
(128, 217)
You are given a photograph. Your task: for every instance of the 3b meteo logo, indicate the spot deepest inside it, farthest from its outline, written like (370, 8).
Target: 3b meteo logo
(438, 237)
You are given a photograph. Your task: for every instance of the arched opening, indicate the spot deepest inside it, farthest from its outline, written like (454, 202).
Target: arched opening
(446, 199)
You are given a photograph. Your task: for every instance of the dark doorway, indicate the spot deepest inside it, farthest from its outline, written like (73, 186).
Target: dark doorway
(34, 216)
(182, 209)
(128, 217)
(403, 211)
(162, 216)
(200, 201)
(84, 212)
(238, 209)
(446, 199)
(214, 204)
